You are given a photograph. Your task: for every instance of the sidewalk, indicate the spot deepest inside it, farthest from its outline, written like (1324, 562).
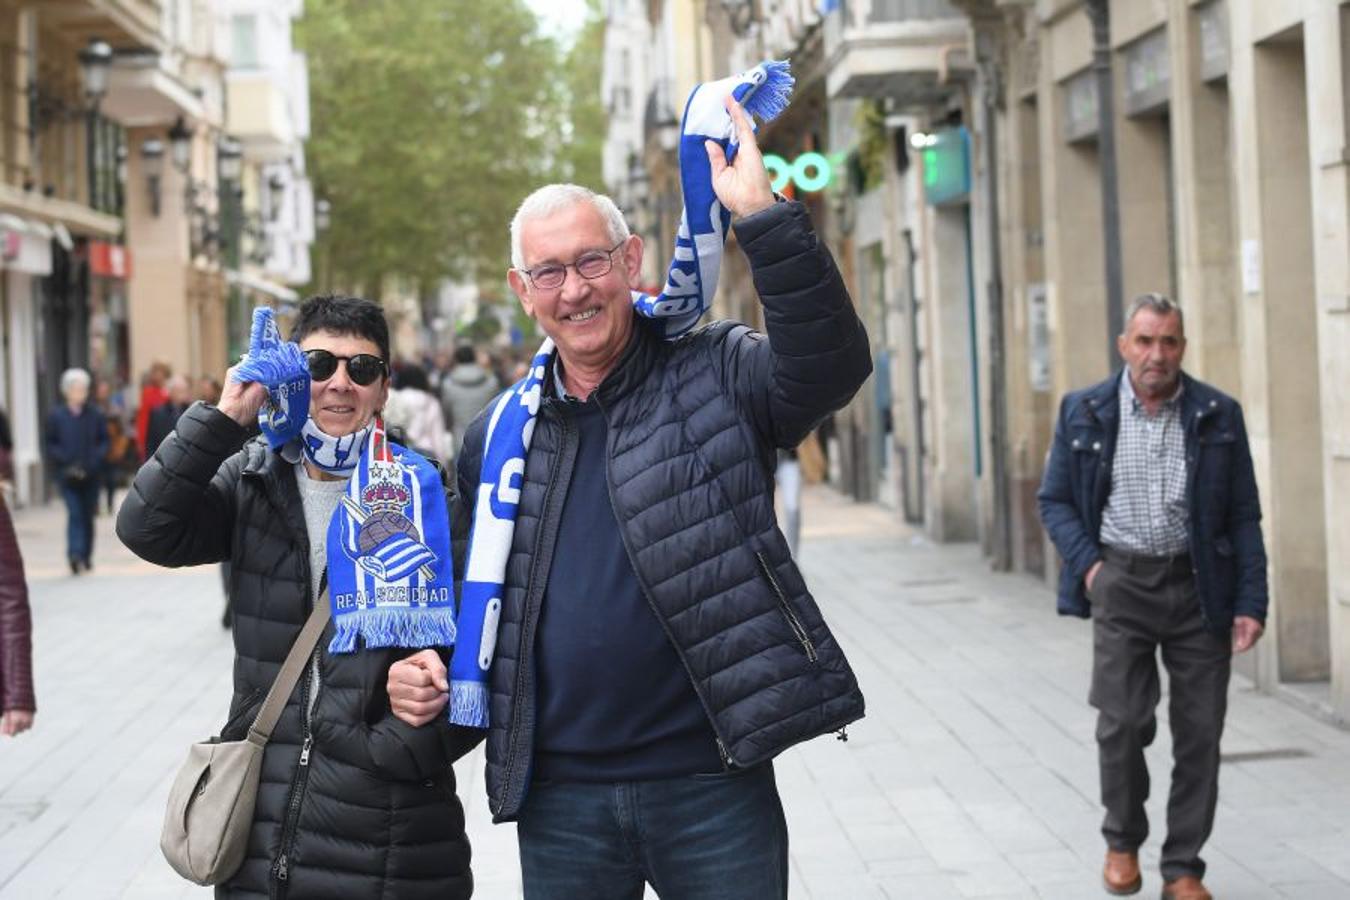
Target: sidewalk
(973, 775)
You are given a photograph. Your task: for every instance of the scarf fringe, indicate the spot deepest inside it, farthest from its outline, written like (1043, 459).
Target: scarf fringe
(408, 627)
(769, 99)
(469, 704)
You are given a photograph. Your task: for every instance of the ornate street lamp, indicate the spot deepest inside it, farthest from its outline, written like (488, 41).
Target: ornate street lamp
(180, 142)
(95, 61)
(229, 158)
(152, 160)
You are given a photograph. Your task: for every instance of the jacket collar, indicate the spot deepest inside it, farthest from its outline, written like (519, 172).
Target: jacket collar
(1198, 400)
(628, 373)
(278, 479)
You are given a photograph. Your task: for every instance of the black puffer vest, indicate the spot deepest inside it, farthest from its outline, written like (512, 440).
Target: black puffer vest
(693, 428)
(372, 811)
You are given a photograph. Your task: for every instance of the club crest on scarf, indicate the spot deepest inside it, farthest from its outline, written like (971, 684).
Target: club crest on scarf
(280, 367)
(389, 567)
(691, 283)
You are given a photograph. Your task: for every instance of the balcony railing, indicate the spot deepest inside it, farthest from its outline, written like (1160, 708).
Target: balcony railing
(892, 48)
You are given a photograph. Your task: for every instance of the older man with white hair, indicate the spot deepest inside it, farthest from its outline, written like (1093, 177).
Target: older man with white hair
(657, 646)
(77, 443)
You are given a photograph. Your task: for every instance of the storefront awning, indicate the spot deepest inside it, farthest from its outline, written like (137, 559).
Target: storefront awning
(262, 286)
(25, 245)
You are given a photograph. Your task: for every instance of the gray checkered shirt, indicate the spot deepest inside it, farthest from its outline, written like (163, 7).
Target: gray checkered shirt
(1146, 512)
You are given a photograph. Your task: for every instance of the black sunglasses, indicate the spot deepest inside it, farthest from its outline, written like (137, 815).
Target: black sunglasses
(363, 368)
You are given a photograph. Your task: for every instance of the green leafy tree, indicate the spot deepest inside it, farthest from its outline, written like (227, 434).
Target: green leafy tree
(584, 116)
(430, 122)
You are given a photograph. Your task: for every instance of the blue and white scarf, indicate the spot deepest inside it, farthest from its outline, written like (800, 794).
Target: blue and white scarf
(280, 367)
(690, 285)
(390, 573)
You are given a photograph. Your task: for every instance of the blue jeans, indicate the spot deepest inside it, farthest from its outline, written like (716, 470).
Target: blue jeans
(701, 837)
(81, 499)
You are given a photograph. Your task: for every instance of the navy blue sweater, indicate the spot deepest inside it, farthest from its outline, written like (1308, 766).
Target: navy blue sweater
(615, 702)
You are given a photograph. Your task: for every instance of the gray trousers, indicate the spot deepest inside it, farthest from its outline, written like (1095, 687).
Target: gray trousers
(1140, 605)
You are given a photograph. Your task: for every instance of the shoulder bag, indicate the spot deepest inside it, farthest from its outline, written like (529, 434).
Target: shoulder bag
(210, 805)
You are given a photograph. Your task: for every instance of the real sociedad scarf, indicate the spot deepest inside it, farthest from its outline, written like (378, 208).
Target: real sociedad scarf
(280, 367)
(390, 573)
(691, 283)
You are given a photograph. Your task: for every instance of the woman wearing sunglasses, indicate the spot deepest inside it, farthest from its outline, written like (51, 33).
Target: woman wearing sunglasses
(353, 802)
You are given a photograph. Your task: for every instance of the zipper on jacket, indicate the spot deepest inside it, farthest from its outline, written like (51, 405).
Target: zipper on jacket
(788, 613)
(309, 692)
(722, 747)
(297, 796)
(527, 632)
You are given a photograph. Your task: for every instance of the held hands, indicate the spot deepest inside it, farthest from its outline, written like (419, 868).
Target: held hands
(418, 687)
(742, 186)
(1246, 632)
(15, 721)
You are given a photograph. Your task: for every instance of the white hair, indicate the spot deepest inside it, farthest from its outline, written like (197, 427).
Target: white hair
(552, 198)
(72, 377)
(1158, 303)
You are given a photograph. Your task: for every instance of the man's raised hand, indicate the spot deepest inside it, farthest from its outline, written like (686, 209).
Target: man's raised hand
(743, 186)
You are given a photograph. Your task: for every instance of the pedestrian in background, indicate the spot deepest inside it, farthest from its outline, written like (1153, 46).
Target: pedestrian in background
(415, 409)
(178, 394)
(466, 390)
(207, 390)
(17, 706)
(353, 803)
(121, 457)
(1150, 497)
(152, 395)
(77, 445)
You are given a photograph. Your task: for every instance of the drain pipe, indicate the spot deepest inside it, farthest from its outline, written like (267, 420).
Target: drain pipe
(1099, 11)
(986, 54)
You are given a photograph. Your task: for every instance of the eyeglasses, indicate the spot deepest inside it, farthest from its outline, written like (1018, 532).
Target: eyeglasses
(592, 265)
(363, 368)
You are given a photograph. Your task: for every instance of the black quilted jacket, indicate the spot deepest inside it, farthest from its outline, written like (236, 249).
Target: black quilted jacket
(374, 813)
(694, 426)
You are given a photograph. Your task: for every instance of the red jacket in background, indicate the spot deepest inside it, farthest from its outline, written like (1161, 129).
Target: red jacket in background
(151, 397)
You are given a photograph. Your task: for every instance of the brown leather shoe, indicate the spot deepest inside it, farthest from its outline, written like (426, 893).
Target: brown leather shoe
(1187, 887)
(1121, 875)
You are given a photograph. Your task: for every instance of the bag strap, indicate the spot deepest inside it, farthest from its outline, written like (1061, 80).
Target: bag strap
(260, 732)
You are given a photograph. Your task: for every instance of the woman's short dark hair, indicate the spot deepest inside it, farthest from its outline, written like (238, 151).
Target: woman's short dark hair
(343, 315)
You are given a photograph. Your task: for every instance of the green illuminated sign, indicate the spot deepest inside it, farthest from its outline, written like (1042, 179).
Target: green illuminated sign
(946, 166)
(809, 172)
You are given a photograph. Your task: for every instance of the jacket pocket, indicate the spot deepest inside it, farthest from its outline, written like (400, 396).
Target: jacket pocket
(795, 624)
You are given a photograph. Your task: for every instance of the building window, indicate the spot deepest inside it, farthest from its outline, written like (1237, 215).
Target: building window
(244, 42)
(1148, 76)
(1080, 107)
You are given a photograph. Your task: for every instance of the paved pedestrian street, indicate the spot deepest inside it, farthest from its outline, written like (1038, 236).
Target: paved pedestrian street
(973, 774)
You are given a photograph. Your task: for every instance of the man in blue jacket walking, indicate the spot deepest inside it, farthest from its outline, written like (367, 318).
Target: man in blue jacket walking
(1150, 496)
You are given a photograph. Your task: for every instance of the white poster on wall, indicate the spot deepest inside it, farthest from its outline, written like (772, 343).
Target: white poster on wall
(1251, 266)
(1038, 337)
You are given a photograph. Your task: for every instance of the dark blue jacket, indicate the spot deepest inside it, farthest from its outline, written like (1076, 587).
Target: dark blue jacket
(76, 440)
(693, 426)
(1228, 554)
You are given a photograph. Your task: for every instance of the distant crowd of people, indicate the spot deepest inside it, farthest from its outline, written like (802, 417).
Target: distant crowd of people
(100, 432)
